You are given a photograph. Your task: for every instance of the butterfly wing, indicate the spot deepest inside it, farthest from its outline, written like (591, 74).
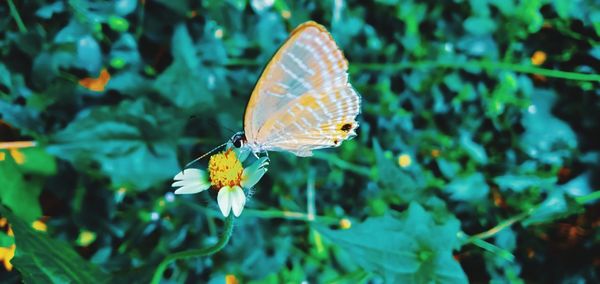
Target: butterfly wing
(303, 100)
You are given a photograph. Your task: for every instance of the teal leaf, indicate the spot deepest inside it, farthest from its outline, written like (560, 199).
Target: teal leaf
(134, 142)
(411, 249)
(20, 116)
(470, 188)
(88, 55)
(126, 48)
(5, 80)
(579, 186)
(556, 206)
(519, 183)
(49, 10)
(480, 25)
(391, 176)
(41, 259)
(182, 82)
(546, 137)
(474, 150)
(125, 7)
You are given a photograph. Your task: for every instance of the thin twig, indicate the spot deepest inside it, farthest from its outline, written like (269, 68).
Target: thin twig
(17, 144)
(485, 64)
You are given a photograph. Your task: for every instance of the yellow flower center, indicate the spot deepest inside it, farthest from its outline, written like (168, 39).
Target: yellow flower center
(225, 169)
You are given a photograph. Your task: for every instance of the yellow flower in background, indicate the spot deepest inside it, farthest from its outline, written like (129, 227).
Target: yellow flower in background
(6, 255)
(404, 160)
(231, 279)
(538, 58)
(40, 226)
(226, 174)
(18, 156)
(345, 224)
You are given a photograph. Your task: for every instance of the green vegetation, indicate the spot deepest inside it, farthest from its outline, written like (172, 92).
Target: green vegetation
(477, 156)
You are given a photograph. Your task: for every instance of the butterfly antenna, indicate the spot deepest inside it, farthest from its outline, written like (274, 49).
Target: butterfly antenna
(205, 154)
(230, 130)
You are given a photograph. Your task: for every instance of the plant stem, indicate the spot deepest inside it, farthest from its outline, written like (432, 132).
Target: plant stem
(289, 215)
(223, 240)
(17, 144)
(15, 15)
(342, 164)
(485, 64)
(428, 64)
(496, 229)
(588, 198)
(582, 200)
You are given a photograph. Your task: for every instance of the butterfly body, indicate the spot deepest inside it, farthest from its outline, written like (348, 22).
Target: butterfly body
(303, 100)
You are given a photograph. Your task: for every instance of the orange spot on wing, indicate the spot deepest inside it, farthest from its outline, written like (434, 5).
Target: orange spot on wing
(309, 102)
(96, 84)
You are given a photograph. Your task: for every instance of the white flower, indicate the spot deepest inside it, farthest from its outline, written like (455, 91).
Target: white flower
(227, 175)
(191, 181)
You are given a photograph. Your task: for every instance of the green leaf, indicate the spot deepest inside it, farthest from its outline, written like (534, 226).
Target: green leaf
(6, 240)
(185, 82)
(41, 259)
(38, 161)
(410, 249)
(118, 24)
(15, 193)
(134, 142)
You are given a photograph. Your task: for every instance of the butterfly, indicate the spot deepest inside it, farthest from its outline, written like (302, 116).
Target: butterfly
(302, 100)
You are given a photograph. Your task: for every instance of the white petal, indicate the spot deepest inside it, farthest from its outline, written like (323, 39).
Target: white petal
(196, 182)
(193, 188)
(238, 200)
(224, 200)
(189, 174)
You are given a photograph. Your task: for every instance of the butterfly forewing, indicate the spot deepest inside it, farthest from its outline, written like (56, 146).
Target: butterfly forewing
(303, 100)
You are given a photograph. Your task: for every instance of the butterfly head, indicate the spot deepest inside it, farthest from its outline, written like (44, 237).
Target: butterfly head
(239, 139)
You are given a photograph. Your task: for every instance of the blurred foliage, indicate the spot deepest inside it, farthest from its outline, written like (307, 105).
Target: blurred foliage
(477, 158)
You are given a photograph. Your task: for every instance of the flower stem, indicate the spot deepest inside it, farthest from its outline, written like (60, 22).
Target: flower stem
(429, 64)
(223, 240)
(496, 229)
(15, 15)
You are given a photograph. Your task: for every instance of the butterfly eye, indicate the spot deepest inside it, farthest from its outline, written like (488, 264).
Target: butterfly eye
(238, 140)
